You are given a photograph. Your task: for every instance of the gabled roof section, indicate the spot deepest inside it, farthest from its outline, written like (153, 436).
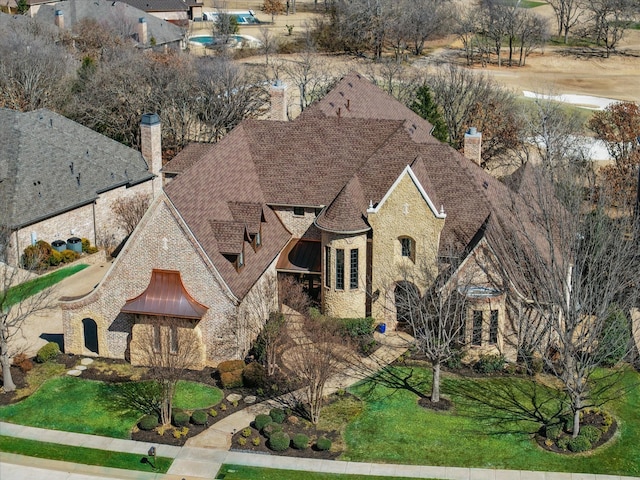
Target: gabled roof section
(165, 296)
(247, 213)
(229, 235)
(187, 157)
(408, 171)
(356, 97)
(345, 214)
(51, 164)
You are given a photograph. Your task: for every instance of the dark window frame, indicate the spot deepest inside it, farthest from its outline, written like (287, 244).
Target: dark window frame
(327, 266)
(339, 269)
(353, 269)
(493, 327)
(476, 332)
(408, 247)
(297, 211)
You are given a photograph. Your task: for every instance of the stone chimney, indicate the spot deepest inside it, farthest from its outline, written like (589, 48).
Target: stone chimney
(278, 94)
(142, 30)
(151, 146)
(59, 19)
(473, 145)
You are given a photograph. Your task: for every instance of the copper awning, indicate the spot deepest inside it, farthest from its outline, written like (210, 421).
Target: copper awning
(165, 296)
(301, 256)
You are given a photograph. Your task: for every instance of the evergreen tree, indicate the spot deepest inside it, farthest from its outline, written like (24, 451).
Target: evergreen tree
(426, 107)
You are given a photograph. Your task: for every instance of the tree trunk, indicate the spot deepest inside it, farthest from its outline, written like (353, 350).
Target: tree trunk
(8, 384)
(435, 385)
(576, 423)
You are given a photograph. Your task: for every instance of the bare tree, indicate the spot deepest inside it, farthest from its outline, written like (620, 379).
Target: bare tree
(19, 299)
(572, 270)
(310, 73)
(269, 43)
(128, 211)
(609, 19)
(568, 13)
(165, 345)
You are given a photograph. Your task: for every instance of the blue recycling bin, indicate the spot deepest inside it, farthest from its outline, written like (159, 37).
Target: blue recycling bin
(382, 327)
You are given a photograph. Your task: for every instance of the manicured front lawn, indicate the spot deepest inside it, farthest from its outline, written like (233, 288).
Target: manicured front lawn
(85, 406)
(239, 472)
(393, 428)
(86, 456)
(18, 293)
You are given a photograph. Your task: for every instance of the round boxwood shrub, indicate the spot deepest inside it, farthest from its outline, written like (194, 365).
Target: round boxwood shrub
(278, 415)
(180, 419)
(199, 418)
(591, 433)
(323, 443)
(563, 442)
(254, 375)
(47, 352)
(300, 441)
(271, 428)
(148, 422)
(279, 441)
(579, 444)
(262, 421)
(553, 432)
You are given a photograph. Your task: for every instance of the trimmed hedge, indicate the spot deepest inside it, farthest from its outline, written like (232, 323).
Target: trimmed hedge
(199, 418)
(231, 379)
(148, 422)
(48, 352)
(262, 421)
(591, 433)
(300, 441)
(279, 441)
(230, 366)
(579, 444)
(278, 415)
(180, 419)
(323, 443)
(271, 428)
(490, 364)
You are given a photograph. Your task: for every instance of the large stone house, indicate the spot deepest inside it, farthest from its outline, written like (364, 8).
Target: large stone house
(354, 198)
(59, 179)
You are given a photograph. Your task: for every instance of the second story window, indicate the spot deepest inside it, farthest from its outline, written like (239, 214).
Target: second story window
(353, 270)
(240, 261)
(407, 247)
(339, 269)
(299, 211)
(327, 266)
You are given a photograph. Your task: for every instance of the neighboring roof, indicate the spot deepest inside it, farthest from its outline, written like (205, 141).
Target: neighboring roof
(114, 13)
(165, 296)
(50, 164)
(163, 5)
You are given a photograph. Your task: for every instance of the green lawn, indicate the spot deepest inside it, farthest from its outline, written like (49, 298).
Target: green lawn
(196, 396)
(19, 292)
(84, 406)
(239, 472)
(86, 456)
(393, 428)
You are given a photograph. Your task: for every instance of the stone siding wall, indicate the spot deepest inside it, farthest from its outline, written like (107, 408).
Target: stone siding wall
(404, 214)
(160, 241)
(300, 226)
(346, 302)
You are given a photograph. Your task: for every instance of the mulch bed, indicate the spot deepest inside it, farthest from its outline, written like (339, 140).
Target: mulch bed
(593, 419)
(443, 405)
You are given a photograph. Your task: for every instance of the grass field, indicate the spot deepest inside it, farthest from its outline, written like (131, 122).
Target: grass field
(239, 472)
(393, 428)
(86, 456)
(29, 288)
(195, 396)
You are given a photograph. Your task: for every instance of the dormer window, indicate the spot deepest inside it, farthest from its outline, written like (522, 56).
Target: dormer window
(408, 247)
(298, 211)
(240, 261)
(257, 240)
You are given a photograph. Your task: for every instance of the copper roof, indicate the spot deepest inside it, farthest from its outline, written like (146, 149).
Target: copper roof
(165, 296)
(300, 256)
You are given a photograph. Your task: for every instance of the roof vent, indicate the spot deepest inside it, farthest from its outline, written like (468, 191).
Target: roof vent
(71, 167)
(485, 184)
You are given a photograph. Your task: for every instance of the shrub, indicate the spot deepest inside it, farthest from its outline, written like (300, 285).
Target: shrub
(36, 256)
(591, 433)
(242, 441)
(223, 407)
(271, 428)
(563, 442)
(246, 432)
(579, 444)
(455, 361)
(261, 421)
(300, 441)
(230, 366)
(554, 432)
(180, 419)
(278, 415)
(55, 258)
(69, 256)
(85, 244)
(91, 250)
(255, 441)
(231, 379)
(47, 352)
(323, 443)
(213, 412)
(23, 362)
(356, 327)
(148, 422)
(253, 375)
(279, 441)
(490, 364)
(199, 418)
(177, 433)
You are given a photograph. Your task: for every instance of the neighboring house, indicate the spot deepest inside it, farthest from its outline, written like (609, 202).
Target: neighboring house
(174, 11)
(354, 198)
(147, 30)
(58, 179)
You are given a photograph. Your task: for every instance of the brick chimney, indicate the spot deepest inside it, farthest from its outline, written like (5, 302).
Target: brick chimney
(59, 19)
(278, 94)
(142, 30)
(151, 147)
(473, 145)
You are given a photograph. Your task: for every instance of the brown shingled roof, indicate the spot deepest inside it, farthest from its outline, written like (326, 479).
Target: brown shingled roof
(249, 213)
(346, 213)
(229, 235)
(187, 157)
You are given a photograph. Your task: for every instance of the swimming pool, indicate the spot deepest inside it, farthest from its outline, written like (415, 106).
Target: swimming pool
(236, 41)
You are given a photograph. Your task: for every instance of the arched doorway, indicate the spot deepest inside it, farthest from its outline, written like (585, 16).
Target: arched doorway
(90, 330)
(406, 295)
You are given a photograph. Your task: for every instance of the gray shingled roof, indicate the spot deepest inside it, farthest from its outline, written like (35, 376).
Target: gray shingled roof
(50, 164)
(163, 32)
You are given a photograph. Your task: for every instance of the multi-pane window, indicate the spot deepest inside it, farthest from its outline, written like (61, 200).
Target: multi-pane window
(353, 270)
(327, 266)
(476, 338)
(407, 247)
(493, 327)
(298, 211)
(339, 269)
(173, 339)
